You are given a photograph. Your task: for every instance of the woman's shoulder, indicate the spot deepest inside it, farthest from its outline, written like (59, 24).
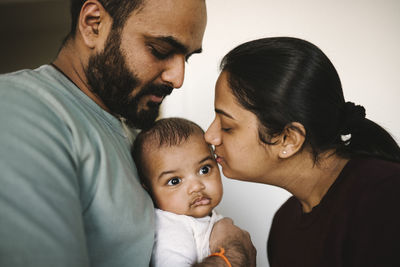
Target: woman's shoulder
(371, 171)
(372, 183)
(373, 194)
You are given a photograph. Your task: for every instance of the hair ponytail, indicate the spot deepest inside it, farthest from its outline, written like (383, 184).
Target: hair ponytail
(368, 139)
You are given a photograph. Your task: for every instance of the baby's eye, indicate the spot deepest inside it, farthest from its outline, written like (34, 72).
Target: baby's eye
(205, 169)
(174, 181)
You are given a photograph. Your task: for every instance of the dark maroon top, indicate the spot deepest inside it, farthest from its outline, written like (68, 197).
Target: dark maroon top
(357, 223)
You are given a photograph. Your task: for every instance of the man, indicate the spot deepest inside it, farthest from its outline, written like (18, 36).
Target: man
(69, 192)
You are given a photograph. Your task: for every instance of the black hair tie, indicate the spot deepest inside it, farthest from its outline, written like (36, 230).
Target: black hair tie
(353, 117)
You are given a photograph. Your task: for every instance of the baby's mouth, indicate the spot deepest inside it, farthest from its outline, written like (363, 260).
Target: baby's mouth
(200, 201)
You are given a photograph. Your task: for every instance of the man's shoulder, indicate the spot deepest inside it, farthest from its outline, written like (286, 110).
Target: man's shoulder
(24, 76)
(40, 81)
(36, 85)
(41, 91)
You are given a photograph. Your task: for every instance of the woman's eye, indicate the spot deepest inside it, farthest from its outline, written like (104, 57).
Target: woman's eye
(204, 170)
(174, 181)
(226, 129)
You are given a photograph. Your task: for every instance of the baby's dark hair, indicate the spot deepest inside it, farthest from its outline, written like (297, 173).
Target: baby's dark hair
(165, 132)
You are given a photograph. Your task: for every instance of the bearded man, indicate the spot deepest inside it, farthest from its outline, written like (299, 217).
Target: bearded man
(69, 191)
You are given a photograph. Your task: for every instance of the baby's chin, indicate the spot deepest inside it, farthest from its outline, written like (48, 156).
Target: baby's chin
(199, 211)
(202, 212)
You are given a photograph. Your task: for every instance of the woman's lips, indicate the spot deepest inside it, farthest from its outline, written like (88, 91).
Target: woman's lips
(218, 159)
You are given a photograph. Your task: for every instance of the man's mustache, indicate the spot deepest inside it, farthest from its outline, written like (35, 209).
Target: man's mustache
(159, 90)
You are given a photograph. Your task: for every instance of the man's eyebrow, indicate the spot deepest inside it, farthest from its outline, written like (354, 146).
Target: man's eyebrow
(220, 111)
(178, 45)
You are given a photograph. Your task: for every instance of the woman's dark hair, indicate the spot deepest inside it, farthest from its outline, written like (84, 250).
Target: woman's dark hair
(284, 80)
(164, 132)
(119, 10)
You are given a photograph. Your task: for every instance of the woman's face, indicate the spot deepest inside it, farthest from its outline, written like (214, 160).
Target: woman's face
(234, 133)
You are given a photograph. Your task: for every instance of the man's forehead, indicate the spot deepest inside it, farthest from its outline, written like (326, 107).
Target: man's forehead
(180, 22)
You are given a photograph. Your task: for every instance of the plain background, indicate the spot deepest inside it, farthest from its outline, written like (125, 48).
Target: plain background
(361, 37)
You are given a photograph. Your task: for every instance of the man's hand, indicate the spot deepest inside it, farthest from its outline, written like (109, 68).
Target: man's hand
(239, 249)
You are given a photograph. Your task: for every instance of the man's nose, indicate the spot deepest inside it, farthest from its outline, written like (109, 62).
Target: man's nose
(174, 73)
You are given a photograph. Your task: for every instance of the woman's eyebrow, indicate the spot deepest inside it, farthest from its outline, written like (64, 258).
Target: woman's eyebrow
(220, 111)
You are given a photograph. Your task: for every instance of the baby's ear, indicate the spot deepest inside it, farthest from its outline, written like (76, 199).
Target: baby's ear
(145, 187)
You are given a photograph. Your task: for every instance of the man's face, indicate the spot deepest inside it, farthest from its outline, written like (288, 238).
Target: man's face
(111, 80)
(145, 60)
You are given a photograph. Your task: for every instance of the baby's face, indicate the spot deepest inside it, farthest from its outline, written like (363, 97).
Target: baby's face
(185, 179)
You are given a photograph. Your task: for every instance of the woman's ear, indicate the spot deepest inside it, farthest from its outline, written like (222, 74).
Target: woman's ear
(92, 23)
(292, 140)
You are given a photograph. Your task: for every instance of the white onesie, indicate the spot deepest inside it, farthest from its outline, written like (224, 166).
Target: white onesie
(181, 240)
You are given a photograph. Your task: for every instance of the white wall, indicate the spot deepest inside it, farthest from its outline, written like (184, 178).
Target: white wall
(361, 37)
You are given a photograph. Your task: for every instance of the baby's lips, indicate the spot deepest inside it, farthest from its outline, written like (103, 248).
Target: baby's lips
(202, 201)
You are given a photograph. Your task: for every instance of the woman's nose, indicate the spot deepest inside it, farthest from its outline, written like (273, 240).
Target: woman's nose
(212, 134)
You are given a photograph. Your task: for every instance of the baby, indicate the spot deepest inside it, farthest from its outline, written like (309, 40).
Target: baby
(178, 169)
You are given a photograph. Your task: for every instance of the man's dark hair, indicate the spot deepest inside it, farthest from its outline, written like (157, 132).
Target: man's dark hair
(165, 132)
(119, 10)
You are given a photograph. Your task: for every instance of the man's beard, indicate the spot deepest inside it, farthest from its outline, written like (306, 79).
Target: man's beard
(111, 80)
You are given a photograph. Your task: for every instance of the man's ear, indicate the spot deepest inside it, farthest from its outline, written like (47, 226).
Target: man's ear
(292, 140)
(92, 23)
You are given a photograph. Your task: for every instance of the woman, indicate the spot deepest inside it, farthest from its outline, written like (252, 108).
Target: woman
(281, 119)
